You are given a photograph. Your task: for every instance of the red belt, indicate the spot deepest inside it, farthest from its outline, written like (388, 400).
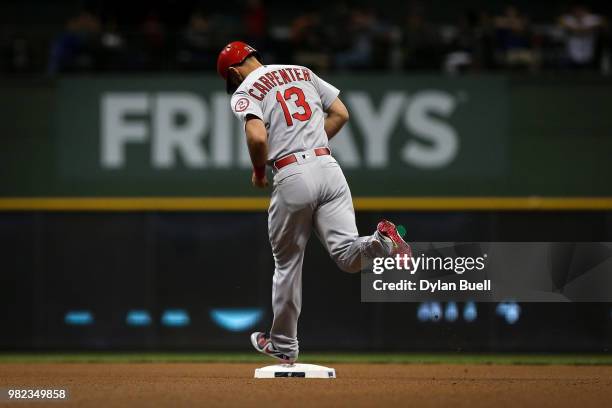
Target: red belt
(290, 159)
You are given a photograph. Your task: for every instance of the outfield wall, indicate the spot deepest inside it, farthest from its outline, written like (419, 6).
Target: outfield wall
(202, 281)
(127, 219)
(415, 136)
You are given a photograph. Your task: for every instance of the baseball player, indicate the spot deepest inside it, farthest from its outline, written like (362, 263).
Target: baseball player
(289, 115)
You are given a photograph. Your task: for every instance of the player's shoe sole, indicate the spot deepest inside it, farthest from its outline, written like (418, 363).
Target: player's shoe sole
(388, 229)
(263, 344)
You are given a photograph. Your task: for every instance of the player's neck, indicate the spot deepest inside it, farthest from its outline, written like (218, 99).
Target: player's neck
(249, 66)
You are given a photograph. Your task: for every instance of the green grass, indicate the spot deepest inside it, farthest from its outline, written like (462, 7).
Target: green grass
(320, 358)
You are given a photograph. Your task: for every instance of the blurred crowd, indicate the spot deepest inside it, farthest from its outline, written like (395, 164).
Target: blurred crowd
(335, 36)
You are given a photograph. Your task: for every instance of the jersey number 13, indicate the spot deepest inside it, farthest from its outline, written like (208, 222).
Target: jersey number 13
(300, 102)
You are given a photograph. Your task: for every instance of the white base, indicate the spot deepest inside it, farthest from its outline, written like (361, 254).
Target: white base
(295, 371)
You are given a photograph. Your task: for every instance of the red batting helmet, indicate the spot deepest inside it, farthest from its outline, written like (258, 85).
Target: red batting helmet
(233, 54)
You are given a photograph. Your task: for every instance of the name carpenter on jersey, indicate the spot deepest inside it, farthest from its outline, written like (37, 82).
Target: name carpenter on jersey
(272, 79)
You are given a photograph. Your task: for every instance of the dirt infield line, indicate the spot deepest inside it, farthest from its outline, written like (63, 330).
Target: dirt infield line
(357, 385)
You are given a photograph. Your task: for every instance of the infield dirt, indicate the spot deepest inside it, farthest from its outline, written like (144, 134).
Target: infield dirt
(232, 385)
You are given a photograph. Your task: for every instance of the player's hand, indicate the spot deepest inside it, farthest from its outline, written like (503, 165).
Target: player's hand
(259, 182)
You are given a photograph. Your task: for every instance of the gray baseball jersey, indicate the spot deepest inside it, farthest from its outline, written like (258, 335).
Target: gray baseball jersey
(291, 100)
(310, 194)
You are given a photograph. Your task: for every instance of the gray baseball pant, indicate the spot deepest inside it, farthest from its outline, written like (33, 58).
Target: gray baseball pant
(310, 194)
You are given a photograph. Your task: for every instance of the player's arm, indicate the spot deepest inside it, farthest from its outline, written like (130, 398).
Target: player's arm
(257, 141)
(337, 116)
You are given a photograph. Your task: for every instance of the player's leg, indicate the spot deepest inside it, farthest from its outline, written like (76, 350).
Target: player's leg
(289, 227)
(334, 221)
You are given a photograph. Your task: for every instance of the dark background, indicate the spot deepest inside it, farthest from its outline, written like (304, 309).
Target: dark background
(72, 36)
(110, 263)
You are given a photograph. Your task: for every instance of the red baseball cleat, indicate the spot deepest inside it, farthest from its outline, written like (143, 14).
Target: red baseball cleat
(398, 245)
